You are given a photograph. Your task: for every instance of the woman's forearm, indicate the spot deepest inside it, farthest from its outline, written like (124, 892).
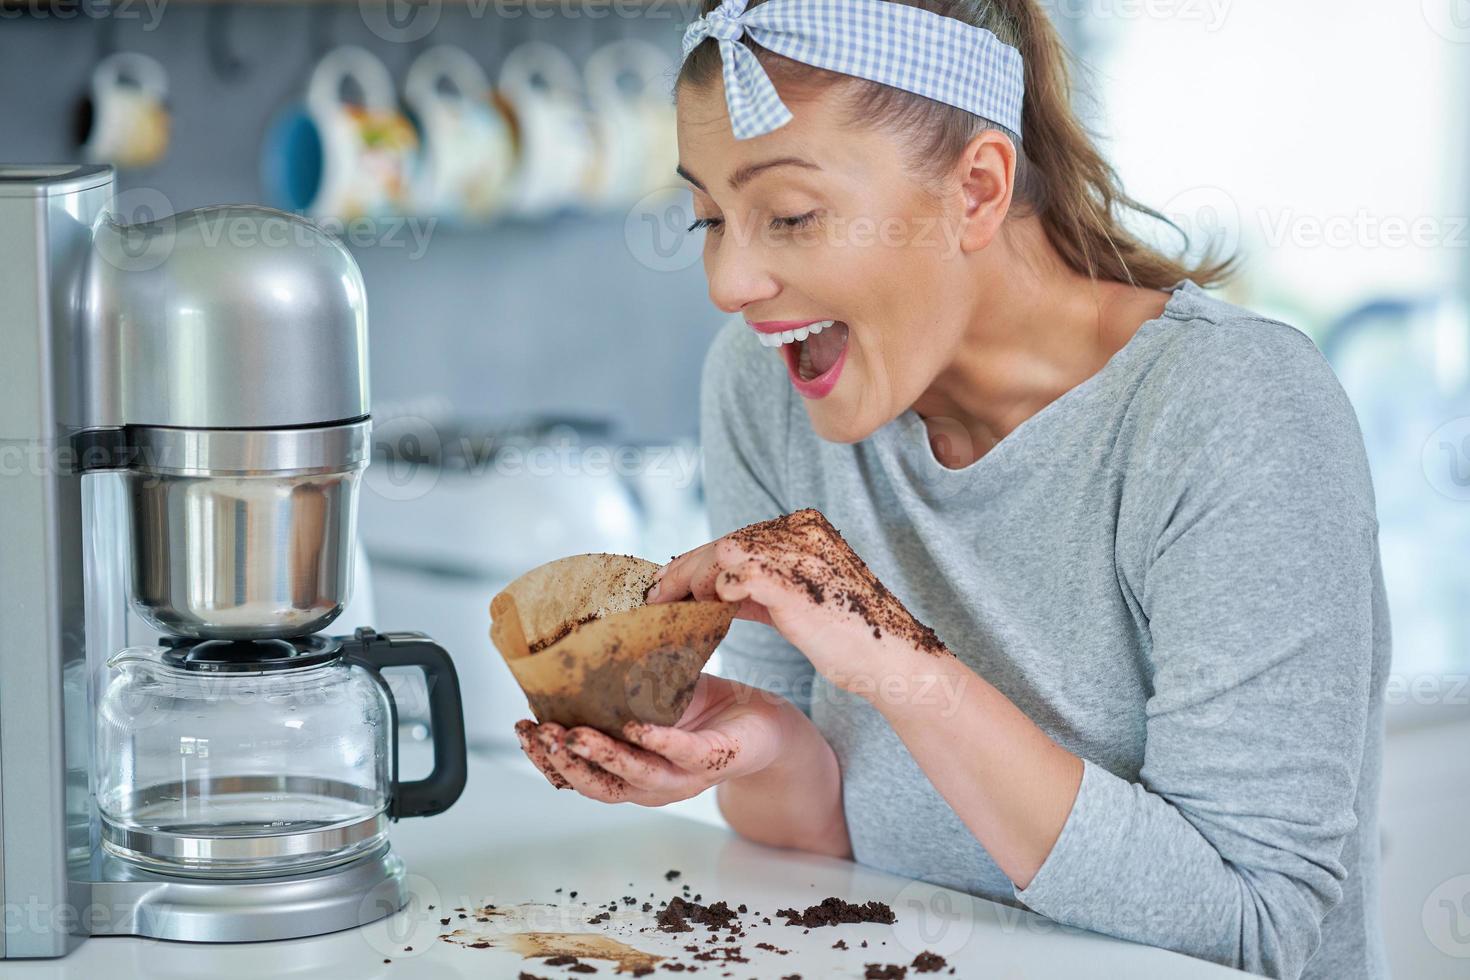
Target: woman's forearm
(797, 800)
(1010, 784)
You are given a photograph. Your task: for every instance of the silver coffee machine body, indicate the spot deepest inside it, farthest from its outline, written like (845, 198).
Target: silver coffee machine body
(184, 418)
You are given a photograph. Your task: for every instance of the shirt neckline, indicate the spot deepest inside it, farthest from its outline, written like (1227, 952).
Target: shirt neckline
(909, 437)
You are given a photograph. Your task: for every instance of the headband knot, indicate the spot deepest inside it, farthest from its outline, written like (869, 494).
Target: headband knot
(723, 24)
(894, 44)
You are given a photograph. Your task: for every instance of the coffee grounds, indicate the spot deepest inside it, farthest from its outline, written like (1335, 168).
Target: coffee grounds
(560, 960)
(836, 575)
(927, 962)
(582, 968)
(834, 911)
(523, 975)
(885, 971)
(564, 631)
(680, 912)
(840, 944)
(723, 954)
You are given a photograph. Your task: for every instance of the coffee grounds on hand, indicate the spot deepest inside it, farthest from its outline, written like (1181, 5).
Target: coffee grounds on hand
(837, 575)
(927, 962)
(834, 911)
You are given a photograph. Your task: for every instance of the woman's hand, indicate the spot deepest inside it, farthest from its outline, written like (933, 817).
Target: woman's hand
(728, 731)
(798, 575)
(778, 779)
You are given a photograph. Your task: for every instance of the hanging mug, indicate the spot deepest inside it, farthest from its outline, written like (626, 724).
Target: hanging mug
(468, 151)
(124, 121)
(629, 82)
(331, 158)
(542, 91)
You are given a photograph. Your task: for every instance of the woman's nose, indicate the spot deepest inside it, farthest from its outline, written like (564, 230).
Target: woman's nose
(737, 277)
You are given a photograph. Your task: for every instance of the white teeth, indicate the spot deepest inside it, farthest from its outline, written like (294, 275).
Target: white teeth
(794, 336)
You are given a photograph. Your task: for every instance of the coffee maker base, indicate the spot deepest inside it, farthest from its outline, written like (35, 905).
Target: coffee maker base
(141, 903)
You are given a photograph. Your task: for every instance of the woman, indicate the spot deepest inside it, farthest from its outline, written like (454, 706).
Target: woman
(1138, 520)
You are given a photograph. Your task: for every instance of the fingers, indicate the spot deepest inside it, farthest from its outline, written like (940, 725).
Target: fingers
(695, 574)
(526, 733)
(692, 751)
(674, 581)
(587, 778)
(637, 767)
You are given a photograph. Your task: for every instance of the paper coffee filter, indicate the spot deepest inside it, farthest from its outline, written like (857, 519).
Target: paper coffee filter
(633, 661)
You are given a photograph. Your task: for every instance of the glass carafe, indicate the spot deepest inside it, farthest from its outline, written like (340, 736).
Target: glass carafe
(265, 757)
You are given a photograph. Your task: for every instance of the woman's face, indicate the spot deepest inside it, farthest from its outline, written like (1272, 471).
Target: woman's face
(823, 222)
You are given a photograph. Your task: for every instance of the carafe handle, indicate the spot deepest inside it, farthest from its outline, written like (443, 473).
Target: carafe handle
(436, 792)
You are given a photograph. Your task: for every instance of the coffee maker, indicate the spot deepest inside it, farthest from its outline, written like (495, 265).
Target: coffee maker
(184, 422)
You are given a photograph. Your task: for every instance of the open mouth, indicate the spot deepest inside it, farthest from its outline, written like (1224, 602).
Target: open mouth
(815, 354)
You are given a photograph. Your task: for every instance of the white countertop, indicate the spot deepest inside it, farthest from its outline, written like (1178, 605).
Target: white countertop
(512, 840)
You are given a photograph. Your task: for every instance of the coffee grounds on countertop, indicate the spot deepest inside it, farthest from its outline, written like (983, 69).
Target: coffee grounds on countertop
(837, 575)
(564, 631)
(927, 962)
(834, 911)
(560, 960)
(885, 971)
(523, 975)
(680, 912)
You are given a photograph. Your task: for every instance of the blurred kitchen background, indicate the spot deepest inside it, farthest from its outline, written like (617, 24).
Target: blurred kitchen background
(537, 334)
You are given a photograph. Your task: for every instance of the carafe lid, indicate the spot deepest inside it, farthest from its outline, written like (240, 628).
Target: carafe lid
(251, 656)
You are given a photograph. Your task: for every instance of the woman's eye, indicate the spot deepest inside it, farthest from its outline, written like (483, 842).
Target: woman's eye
(710, 223)
(797, 221)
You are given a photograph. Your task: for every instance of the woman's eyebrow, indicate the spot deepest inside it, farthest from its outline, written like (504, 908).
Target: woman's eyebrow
(750, 170)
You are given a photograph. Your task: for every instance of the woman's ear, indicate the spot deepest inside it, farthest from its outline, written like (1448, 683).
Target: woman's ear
(987, 176)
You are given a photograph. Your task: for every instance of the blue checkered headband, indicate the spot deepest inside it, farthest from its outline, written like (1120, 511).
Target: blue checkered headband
(908, 48)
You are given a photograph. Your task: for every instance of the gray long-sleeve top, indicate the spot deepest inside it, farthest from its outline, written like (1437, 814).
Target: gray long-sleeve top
(1173, 569)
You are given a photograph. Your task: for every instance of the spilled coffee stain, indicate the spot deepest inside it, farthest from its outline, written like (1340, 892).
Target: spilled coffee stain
(584, 946)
